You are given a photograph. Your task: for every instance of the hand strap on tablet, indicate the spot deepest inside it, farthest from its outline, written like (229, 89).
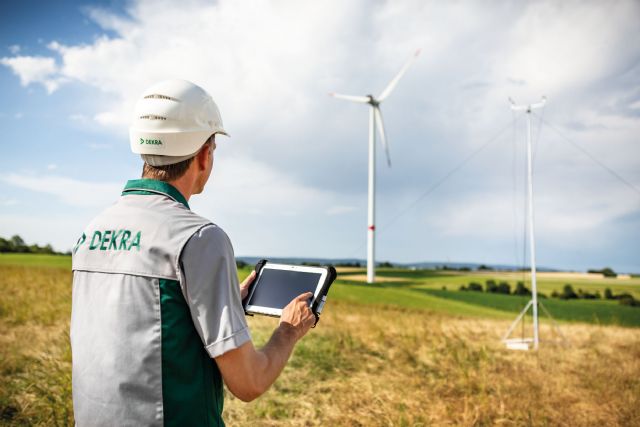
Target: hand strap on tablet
(257, 268)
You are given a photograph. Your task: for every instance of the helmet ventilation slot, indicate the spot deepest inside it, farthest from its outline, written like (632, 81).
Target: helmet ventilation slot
(158, 96)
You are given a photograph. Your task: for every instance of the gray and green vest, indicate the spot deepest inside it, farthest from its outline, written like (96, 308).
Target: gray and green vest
(155, 298)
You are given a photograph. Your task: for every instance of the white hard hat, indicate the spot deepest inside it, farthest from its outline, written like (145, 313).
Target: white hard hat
(172, 120)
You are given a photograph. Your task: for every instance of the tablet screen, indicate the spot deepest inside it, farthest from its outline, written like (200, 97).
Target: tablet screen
(276, 288)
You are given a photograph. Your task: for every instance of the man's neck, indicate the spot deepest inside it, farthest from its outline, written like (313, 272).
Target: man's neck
(184, 186)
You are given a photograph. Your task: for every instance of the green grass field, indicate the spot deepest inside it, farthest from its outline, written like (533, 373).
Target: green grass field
(424, 290)
(36, 260)
(453, 280)
(396, 353)
(588, 311)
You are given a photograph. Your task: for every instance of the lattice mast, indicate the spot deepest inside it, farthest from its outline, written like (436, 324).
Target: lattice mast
(532, 241)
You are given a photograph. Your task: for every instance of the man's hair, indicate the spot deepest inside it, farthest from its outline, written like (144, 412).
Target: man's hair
(171, 172)
(168, 172)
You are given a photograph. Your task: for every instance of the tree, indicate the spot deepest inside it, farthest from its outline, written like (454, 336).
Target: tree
(490, 286)
(608, 294)
(17, 241)
(504, 288)
(568, 292)
(17, 244)
(627, 299)
(606, 272)
(586, 294)
(5, 245)
(473, 286)
(521, 289)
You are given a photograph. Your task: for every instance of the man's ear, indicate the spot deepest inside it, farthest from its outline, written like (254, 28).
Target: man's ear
(203, 156)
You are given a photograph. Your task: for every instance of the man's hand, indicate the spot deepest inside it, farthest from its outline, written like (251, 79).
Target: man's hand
(297, 316)
(246, 283)
(248, 372)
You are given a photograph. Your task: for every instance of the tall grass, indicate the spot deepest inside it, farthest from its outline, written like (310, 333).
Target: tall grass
(380, 366)
(35, 357)
(365, 364)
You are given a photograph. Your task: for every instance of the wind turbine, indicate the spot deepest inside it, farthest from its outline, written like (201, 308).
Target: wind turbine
(523, 343)
(375, 118)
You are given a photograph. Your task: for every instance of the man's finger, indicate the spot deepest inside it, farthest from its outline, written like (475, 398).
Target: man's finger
(249, 278)
(304, 296)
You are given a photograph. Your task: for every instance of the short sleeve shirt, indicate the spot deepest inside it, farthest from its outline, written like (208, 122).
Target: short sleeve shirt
(212, 290)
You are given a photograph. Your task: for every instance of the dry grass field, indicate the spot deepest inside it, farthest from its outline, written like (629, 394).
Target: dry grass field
(393, 367)
(364, 365)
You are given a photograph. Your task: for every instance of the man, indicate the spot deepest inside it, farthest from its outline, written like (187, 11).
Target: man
(155, 287)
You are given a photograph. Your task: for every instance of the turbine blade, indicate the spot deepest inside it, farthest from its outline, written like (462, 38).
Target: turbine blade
(383, 136)
(354, 98)
(392, 84)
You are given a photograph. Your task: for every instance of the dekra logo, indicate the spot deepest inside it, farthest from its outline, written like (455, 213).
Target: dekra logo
(150, 141)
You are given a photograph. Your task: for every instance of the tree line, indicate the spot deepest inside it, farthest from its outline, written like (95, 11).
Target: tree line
(567, 293)
(16, 244)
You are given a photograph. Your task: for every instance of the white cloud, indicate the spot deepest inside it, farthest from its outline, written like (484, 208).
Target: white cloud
(269, 66)
(340, 210)
(555, 46)
(52, 166)
(69, 191)
(14, 49)
(18, 116)
(244, 186)
(8, 202)
(491, 214)
(109, 118)
(35, 69)
(99, 146)
(78, 117)
(109, 21)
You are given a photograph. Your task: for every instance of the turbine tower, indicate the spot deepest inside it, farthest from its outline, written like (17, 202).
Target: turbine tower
(375, 118)
(524, 343)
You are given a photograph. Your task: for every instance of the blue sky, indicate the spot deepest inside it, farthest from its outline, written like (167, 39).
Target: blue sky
(291, 181)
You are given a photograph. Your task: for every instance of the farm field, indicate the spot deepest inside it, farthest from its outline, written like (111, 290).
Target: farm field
(36, 260)
(398, 353)
(452, 280)
(426, 289)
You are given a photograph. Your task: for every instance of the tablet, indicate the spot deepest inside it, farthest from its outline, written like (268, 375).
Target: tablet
(277, 284)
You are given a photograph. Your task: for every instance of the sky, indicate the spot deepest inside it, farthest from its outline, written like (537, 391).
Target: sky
(292, 178)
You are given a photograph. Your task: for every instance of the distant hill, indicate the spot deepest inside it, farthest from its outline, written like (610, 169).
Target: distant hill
(419, 265)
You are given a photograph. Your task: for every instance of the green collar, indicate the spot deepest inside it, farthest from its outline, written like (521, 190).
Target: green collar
(152, 186)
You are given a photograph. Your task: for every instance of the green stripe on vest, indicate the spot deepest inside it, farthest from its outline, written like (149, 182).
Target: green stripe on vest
(191, 382)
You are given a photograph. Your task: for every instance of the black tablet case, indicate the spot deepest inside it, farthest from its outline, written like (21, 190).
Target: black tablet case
(318, 304)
